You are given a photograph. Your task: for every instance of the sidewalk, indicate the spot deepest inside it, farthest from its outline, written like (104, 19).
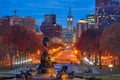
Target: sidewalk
(73, 67)
(12, 73)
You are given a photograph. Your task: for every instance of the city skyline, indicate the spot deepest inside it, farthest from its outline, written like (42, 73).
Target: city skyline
(59, 39)
(37, 9)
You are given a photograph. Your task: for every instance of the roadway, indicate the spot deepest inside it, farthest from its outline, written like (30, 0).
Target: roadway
(65, 56)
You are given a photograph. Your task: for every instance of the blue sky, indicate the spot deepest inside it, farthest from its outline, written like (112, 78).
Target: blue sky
(37, 9)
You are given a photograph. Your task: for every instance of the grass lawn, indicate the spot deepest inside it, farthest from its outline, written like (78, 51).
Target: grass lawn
(106, 70)
(7, 76)
(82, 74)
(108, 78)
(4, 70)
(97, 76)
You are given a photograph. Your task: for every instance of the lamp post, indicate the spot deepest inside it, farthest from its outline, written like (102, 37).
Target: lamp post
(110, 66)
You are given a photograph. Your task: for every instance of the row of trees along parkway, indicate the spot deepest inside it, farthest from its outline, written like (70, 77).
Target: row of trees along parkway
(97, 42)
(17, 42)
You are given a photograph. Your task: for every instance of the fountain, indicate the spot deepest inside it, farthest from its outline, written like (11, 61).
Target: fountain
(46, 67)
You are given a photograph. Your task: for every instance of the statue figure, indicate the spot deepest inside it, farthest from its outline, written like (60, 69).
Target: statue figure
(45, 42)
(45, 58)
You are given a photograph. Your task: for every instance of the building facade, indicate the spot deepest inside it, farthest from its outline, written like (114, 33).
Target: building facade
(82, 26)
(67, 37)
(27, 22)
(50, 18)
(5, 21)
(98, 5)
(68, 33)
(91, 21)
(107, 13)
(101, 3)
(49, 27)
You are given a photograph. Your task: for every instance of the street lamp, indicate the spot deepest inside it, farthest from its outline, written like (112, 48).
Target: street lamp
(110, 66)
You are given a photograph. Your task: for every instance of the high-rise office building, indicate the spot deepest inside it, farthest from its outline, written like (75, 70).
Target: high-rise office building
(100, 3)
(82, 26)
(49, 27)
(50, 18)
(106, 13)
(91, 21)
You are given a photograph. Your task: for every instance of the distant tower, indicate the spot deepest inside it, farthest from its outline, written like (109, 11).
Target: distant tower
(70, 20)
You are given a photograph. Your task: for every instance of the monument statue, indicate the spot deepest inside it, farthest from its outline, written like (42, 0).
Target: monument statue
(45, 62)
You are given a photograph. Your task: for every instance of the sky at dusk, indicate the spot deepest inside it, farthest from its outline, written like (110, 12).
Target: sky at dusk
(37, 9)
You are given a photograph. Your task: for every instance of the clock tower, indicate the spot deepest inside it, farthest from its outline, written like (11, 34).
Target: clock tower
(70, 20)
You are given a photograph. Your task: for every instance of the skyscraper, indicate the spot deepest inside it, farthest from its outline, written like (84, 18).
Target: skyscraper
(108, 15)
(98, 5)
(70, 20)
(82, 26)
(49, 27)
(101, 3)
(91, 21)
(107, 12)
(50, 18)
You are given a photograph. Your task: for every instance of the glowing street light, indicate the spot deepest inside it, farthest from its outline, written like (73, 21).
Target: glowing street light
(75, 51)
(54, 50)
(110, 66)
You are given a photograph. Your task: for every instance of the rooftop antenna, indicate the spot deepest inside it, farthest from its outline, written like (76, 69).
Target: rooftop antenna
(15, 11)
(53, 8)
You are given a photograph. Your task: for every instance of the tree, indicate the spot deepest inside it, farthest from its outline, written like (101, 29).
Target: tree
(2, 52)
(89, 41)
(8, 41)
(19, 41)
(28, 42)
(110, 40)
(2, 47)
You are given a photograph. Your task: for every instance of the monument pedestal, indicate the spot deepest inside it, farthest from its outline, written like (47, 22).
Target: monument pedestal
(50, 75)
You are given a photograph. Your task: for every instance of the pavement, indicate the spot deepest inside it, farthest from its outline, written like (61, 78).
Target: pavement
(73, 67)
(78, 79)
(77, 68)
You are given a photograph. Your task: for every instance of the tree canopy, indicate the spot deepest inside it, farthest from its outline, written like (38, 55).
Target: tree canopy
(17, 39)
(89, 40)
(110, 40)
